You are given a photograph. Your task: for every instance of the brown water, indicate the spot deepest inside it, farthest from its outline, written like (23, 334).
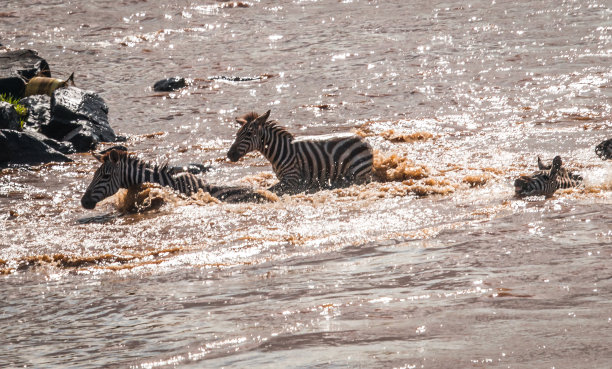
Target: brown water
(440, 267)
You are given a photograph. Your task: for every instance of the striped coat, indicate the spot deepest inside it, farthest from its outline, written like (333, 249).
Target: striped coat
(540, 183)
(565, 178)
(120, 170)
(304, 164)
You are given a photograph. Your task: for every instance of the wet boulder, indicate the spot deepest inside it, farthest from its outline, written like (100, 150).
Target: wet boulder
(170, 84)
(9, 118)
(80, 117)
(604, 149)
(39, 110)
(23, 148)
(17, 67)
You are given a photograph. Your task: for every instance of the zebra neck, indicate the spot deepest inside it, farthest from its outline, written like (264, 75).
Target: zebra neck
(277, 145)
(137, 172)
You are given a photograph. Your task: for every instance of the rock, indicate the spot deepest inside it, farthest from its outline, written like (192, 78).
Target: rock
(169, 84)
(39, 110)
(22, 148)
(9, 118)
(63, 147)
(604, 149)
(80, 117)
(13, 86)
(17, 67)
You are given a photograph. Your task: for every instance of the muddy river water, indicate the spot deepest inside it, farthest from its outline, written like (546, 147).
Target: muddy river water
(439, 266)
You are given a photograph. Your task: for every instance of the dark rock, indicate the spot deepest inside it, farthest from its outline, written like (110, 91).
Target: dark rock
(13, 86)
(80, 117)
(39, 110)
(169, 84)
(9, 118)
(63, 147)
(604, 149)
(17, 67)
(23, 148)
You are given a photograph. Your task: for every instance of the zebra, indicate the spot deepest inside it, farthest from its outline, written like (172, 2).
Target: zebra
(122, 170)
(565, 179)
(542, 182)
(305, 164)
(604, 149)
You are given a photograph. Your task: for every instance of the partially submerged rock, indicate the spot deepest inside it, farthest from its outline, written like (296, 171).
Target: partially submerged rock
(80, 117)
(169, 84)
(22, 148)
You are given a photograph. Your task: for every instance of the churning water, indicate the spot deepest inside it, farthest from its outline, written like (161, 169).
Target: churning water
(437, 266)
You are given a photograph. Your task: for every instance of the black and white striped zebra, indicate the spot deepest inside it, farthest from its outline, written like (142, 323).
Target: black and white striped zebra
(543, 182)
(565, 178)
(604, 149)
(121, 170)
(307, 163)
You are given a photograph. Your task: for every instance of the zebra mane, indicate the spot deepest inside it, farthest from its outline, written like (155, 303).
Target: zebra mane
(128, 157)
(248, 117)
(282, 131)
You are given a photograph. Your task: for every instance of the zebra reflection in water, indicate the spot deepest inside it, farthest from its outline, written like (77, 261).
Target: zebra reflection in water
(121, 170)
(306, 164)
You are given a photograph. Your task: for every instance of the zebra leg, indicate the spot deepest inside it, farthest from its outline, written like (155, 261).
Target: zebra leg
(283, 187)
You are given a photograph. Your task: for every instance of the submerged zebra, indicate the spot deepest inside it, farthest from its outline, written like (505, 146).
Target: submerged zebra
(121, 170)
(543, 182)
(565, 179)
(306, 164)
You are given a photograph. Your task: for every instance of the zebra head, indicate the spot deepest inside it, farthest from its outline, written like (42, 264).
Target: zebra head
(249, 136)
(106, 180)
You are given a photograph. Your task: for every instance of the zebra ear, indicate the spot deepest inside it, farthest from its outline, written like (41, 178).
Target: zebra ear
(541, 165)
(262, 119)
(556, 166)
(98, 157)
(241, 121)
(113, 155)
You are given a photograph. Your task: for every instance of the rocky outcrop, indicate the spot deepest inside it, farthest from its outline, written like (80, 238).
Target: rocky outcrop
(9, 118)
(21, 148)
(80, 117)
(170, 84)
(17, 67)
(38, 110)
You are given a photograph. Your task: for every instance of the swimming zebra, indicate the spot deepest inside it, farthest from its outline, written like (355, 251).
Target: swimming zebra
(542, 182)
(565, 179)
(121, 170)
(604, 149)
(307, 163)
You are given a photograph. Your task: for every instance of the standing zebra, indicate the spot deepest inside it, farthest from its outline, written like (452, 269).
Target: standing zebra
(304, 164)
(543, 182)
(121, 170)
(565, 179)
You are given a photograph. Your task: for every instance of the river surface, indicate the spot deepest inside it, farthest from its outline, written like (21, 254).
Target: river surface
(439, 266)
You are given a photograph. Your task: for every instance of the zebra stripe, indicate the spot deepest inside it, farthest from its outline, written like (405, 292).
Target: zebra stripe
(306, 163)
(540, 183)
(120, 170)
(565, 178)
